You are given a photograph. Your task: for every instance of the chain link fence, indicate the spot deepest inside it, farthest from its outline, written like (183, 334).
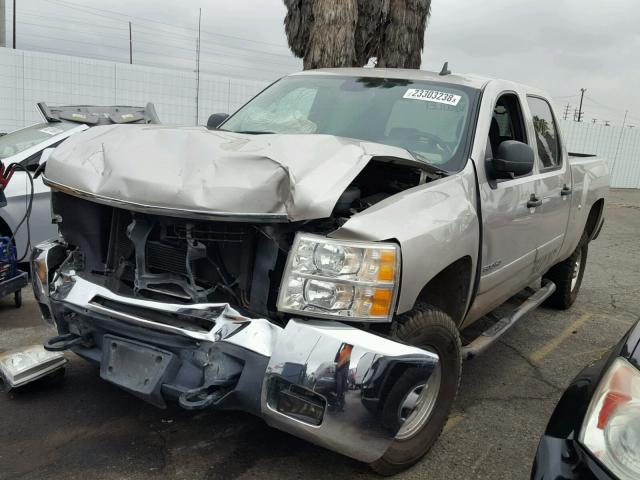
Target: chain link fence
(620, 146)
(30, 77)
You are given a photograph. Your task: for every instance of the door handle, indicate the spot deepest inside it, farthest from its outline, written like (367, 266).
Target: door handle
(534, 201)
(566, 190)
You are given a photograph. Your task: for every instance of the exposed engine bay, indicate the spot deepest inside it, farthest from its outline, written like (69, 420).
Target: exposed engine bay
(190, 261)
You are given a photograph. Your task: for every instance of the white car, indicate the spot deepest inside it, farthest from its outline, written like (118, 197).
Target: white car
(27, 145)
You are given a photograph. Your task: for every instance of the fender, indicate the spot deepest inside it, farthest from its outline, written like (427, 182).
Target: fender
(435, 224)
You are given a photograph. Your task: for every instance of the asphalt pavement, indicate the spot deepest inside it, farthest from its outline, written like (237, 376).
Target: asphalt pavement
(85, 428)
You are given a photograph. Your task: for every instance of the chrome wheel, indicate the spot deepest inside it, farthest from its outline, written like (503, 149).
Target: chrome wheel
(576, 271)
(418, 404)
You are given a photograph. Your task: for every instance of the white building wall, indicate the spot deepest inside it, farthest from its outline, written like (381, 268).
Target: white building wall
(29, 77)
(620, 146)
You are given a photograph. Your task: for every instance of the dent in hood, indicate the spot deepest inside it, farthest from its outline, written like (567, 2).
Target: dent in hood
(298, 177)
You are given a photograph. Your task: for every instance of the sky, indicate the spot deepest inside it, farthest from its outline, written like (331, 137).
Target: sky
(557, 45)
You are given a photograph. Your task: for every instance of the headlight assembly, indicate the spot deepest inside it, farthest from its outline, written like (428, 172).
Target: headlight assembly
(611, 429)
(331, 278)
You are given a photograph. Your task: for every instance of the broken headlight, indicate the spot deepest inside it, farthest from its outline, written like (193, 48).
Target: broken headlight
(331, 278)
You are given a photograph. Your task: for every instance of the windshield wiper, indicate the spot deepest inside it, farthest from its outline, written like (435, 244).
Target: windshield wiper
(432, 168)
(248, 132)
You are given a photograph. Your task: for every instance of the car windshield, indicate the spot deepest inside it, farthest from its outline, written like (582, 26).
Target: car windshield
(20, 140)
(429, 119)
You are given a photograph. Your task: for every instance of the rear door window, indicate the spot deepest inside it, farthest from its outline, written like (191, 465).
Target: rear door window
(547, 139)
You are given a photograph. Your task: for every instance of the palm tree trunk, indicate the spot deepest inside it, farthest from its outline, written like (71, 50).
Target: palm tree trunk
(372, 19)
(332, 34)
(297, 24)
(403, 37)
(346, 33)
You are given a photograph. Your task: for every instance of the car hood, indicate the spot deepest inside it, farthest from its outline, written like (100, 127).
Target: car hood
(192, 169)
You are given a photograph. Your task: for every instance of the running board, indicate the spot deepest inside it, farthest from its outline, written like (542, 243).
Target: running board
(488, 337)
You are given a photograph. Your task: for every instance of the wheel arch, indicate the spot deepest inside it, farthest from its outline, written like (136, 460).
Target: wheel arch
(449, 290)
(594, 220)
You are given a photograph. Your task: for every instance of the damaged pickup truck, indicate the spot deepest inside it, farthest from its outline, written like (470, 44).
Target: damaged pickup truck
(313, 258)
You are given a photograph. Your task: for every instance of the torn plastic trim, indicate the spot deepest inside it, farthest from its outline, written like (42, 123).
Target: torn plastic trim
(168, 211)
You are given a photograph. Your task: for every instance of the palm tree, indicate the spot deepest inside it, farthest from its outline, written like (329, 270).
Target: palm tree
(346, 33)
(541, 125)
(403, 35)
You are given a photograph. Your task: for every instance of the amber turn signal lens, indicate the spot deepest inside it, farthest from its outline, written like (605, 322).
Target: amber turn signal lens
(387, 268)
(382, 298)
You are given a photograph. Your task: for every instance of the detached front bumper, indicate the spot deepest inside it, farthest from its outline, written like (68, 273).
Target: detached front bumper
(320, 380)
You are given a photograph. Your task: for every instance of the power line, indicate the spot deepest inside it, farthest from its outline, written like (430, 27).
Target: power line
(88, 9)
(124, 38)
(150, 52)
(69, 19)
(117, 32)
(62, 51)
(287, 60)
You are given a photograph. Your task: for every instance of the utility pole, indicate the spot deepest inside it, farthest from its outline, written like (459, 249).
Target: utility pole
(582, 90)
(566, 110)
(615, 157)
(130, 46)
(198, 70)
(3, 30)
(14, 24)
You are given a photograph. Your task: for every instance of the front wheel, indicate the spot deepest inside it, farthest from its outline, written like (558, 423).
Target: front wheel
(416, 409)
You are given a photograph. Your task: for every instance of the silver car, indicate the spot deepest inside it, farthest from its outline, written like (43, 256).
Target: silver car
(26, 147)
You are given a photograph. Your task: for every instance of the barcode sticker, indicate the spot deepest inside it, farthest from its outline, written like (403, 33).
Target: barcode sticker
(432, 96)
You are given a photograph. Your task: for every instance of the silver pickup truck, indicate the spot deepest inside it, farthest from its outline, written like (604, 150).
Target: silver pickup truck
(313, 258)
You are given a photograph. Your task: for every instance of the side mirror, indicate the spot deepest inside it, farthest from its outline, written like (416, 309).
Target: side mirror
(512, 159)
(215, 120)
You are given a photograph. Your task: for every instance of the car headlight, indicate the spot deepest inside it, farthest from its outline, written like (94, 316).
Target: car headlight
(331, 278)
(612, 426)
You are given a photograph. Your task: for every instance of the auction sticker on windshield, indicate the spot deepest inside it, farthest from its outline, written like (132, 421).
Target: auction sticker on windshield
(432, 96)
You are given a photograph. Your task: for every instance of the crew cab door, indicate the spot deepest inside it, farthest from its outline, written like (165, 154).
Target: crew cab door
(508, 222)
(552, 185)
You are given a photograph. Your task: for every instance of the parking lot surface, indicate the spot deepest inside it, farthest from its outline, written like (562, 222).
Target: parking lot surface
(84, 427)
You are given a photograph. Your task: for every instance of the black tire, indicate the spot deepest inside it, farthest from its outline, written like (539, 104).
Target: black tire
(429, 328)
(17, 298)
(562, 274)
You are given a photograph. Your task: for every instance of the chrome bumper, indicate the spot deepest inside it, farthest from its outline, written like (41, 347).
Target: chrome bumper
(320, 380)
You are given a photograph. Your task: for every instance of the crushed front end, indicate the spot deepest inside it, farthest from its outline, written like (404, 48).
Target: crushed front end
(184, 310)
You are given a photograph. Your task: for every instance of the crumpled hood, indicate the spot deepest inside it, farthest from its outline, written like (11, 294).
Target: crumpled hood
(300, 177)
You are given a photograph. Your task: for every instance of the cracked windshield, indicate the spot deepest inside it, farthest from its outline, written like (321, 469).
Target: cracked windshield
(428, 119)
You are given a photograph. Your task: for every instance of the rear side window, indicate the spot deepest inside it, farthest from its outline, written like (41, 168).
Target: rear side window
(547, 139)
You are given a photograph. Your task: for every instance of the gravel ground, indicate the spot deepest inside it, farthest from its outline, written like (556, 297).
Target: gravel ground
(86, 428)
